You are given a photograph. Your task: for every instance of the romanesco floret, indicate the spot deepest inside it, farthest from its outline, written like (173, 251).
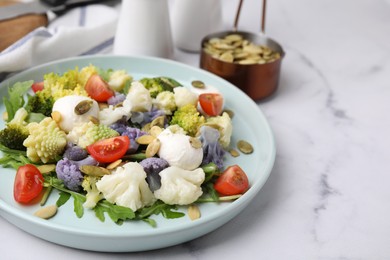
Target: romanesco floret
(71, 82)
(180, 187)
(165, 101)
(45, 142)
(153, 166)
(224, 125)
(212, 149)
(93, 195)
(70, 174)
(159, 84)
(89, 133)
(183, 96)
(15, 132)
(188, 118)
(127, 187)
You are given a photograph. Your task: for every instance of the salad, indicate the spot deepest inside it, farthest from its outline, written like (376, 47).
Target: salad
(123, 147)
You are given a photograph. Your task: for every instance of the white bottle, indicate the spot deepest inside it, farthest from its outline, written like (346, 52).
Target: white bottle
(144, 29)
(194, 19)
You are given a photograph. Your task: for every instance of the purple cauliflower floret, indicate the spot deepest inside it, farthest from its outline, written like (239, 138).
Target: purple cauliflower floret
(89, 160)
(69, 173)
(75, 153)
(153, 166)
(212, 149)
(142, 118)
(133, 134)
(120, 126)
(116, 99)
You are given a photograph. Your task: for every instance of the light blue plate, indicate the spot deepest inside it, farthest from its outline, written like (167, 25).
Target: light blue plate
(88, 232)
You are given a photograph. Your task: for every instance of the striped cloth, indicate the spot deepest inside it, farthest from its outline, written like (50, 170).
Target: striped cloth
(81, 31)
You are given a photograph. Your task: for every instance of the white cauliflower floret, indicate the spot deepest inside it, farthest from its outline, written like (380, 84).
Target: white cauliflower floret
(127, 187)
(111, 114)
(180, 187)
(224, 126)
(165, 101)
(177, 150)
(184, 96)
(66, 107)
(138, 98)
(118, 79)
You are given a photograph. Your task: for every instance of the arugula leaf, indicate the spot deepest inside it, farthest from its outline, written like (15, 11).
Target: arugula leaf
(160, 207)
(78, 201)
(64, 197)
(15, 98)
(115, 212)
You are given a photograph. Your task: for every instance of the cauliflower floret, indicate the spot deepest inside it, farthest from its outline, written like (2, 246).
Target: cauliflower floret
(89, 133)
(127, 187)
(118, 79)
(184, 96)
(112, 114)
(45, 142)
(224, 125)
(66, 107)
(165, 101)
(138, 98)
(180, 187)
(93, 194)
(177, 150)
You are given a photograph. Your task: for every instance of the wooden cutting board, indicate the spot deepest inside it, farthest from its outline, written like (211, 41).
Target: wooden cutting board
(13, 29)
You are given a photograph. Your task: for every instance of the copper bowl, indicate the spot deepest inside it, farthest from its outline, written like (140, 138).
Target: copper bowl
(258, 81)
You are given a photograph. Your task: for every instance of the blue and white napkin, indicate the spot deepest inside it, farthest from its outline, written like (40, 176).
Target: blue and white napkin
(81, 31)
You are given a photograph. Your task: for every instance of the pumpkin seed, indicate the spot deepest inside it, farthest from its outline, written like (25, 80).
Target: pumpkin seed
(113, 165)
(198, 84)
(158, 121)
(56, 116)
(234, 153)
(227, 56)
(155, 130)
(5, 116)
(245, 147)
(145, 139)
(153, 148)
(94, 120)
(46, 168)
(83, 107)
(46, 212)
(195, 142)
(193, 212)
(95, 171)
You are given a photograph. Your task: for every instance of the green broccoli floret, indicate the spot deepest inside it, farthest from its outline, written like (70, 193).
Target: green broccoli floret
(188, 118)
(15, 132)
(159, 84)
(46, 141)
(89, 133)
(38, 103)
(93, 195)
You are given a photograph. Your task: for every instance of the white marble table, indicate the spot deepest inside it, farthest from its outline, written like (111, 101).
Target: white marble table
(328, 194)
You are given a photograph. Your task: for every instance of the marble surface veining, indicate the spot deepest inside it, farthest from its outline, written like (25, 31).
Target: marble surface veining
(328, 194)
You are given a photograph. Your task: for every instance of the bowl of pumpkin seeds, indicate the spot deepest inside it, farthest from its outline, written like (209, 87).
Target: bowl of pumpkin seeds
(250, 61)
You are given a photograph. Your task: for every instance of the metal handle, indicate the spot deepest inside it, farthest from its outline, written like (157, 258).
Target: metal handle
(235, 26)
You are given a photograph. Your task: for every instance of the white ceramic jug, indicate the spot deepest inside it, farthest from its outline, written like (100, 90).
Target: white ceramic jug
(194, 19)
(144, 29)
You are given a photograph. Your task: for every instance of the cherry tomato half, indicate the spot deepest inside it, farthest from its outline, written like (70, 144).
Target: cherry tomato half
(232, 181)
(109, 150)
(211, 103)
(28, 183)
(37, 86)
(98, 89)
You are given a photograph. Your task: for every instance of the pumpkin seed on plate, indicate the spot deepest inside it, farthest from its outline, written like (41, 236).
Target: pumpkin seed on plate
(198, 84)
(46, 212)
(245, 147)
(193, 212)
(145, 139)
(83, 107)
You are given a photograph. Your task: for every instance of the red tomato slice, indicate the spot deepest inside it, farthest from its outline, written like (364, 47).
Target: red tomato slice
(211, 103)
(37, 86)
(98, 89)
(109, 150)
(28, 183)
(232, 181)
